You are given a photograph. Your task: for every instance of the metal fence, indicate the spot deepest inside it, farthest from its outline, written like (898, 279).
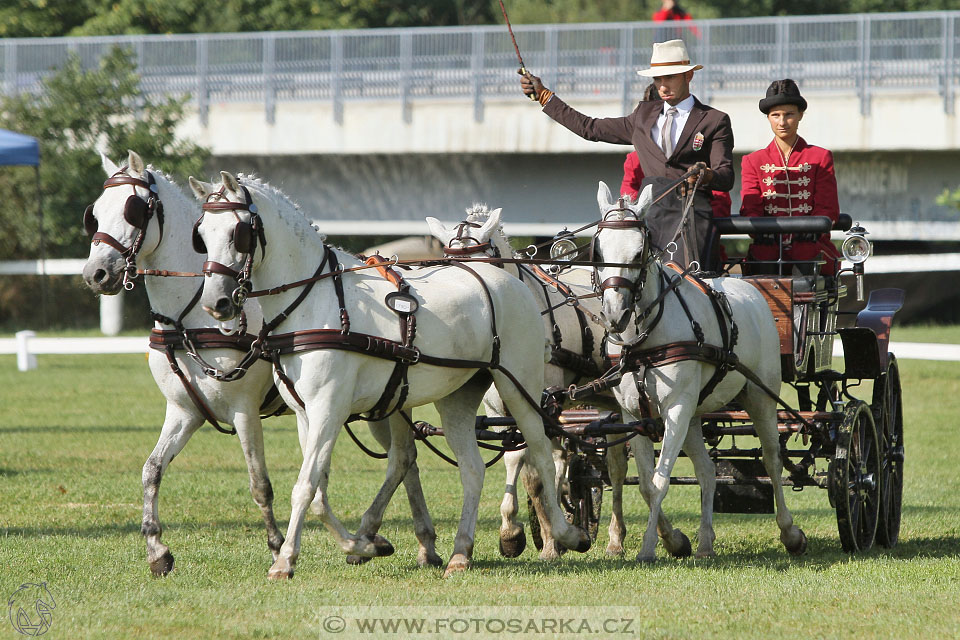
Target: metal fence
(859, 54)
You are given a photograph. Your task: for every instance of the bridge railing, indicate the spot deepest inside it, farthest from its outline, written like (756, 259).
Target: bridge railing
(860, 55)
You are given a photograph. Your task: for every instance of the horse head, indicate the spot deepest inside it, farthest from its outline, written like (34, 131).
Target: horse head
(120, 225)
(228, 232)
(621, 237)
(480, 233)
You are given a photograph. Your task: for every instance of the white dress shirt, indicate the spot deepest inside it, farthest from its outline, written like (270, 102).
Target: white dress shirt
(679, 120)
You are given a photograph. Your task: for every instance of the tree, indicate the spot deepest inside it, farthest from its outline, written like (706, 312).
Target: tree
(76, 113)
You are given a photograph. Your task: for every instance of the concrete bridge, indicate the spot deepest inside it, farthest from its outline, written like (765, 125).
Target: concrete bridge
(373, 129)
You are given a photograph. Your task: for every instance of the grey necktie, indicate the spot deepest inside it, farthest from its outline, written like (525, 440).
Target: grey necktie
(666, 133)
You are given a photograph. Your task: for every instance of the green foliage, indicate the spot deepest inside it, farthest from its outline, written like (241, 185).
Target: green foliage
(76, 113)
(949, 198)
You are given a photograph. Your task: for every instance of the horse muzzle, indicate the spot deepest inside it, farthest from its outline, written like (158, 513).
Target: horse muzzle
(104, 277)
(223, 309)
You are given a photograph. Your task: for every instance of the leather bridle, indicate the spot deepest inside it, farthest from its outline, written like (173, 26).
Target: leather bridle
(634, 287)
(469, 245)
(137, 212)
(245, 237)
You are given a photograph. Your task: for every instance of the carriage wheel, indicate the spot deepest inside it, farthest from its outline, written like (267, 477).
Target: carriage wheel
(887, 404)
(854, 478)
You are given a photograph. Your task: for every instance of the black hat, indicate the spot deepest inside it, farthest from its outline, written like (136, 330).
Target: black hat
(782, 92)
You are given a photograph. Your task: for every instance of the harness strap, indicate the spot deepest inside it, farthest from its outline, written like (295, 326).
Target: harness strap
(196, 397)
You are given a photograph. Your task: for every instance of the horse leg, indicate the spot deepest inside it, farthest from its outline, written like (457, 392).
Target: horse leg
(250, 433)
(676, 421)
(395, 435)
(551, 549)
(763, 409)
(512, 539)
(311, 486)
(457, 412)
(178, 426)
(706, 473)
(539, 455)
(617, 470)
(675, 541)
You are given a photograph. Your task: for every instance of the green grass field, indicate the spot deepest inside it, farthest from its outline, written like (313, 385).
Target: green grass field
(75, 432)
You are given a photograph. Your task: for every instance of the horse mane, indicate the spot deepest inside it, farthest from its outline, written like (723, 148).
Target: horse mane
(278, 197)
(186, 202)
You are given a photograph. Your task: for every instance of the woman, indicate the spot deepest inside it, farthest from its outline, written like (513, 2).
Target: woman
(789, 178)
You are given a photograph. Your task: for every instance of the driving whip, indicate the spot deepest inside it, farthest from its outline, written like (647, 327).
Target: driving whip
(523, 69)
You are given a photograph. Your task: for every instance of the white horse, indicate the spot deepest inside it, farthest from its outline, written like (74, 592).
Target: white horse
(167, 246)
(674, 389)
(455, 321)
(482, 235)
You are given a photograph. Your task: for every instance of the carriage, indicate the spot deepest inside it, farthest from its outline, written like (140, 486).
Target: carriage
(829, 439)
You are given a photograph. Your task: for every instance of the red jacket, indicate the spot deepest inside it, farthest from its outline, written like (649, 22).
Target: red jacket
(664, 15)
(806, 186)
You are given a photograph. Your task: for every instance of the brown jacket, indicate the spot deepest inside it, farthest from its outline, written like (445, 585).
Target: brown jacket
(715, 148)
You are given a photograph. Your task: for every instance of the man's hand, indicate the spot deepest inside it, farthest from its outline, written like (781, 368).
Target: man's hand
(531, 86)
(698, 170)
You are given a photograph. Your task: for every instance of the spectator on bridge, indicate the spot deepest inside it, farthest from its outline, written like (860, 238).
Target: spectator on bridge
(671, 10)
(670, 135)
(789, 178)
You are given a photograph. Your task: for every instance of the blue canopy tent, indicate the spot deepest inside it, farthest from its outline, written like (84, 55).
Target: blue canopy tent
(18, 149)
(21, 150)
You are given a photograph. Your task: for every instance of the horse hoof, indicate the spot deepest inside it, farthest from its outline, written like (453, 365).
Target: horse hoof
(162, 565)
(382, 547)
(800, 546)
(513, 546)
(705, 555)
(614, 550)
(456, 566)
(357, 560)
(684, 550)
(647, 560)
(429, 559)
(280, 574)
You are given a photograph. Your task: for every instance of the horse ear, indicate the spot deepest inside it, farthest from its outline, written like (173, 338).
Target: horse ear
(490, 226)
(108, 167)
(438, 231)
(200, 189)
(604, 197)
(644, 200)
(135, 162)
(230, 181)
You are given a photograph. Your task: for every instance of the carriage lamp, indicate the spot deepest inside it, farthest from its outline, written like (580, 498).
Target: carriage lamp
(564, 247)
(856, 249)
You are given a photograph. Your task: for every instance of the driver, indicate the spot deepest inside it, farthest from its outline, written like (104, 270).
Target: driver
(671, 134)
(789, 178)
